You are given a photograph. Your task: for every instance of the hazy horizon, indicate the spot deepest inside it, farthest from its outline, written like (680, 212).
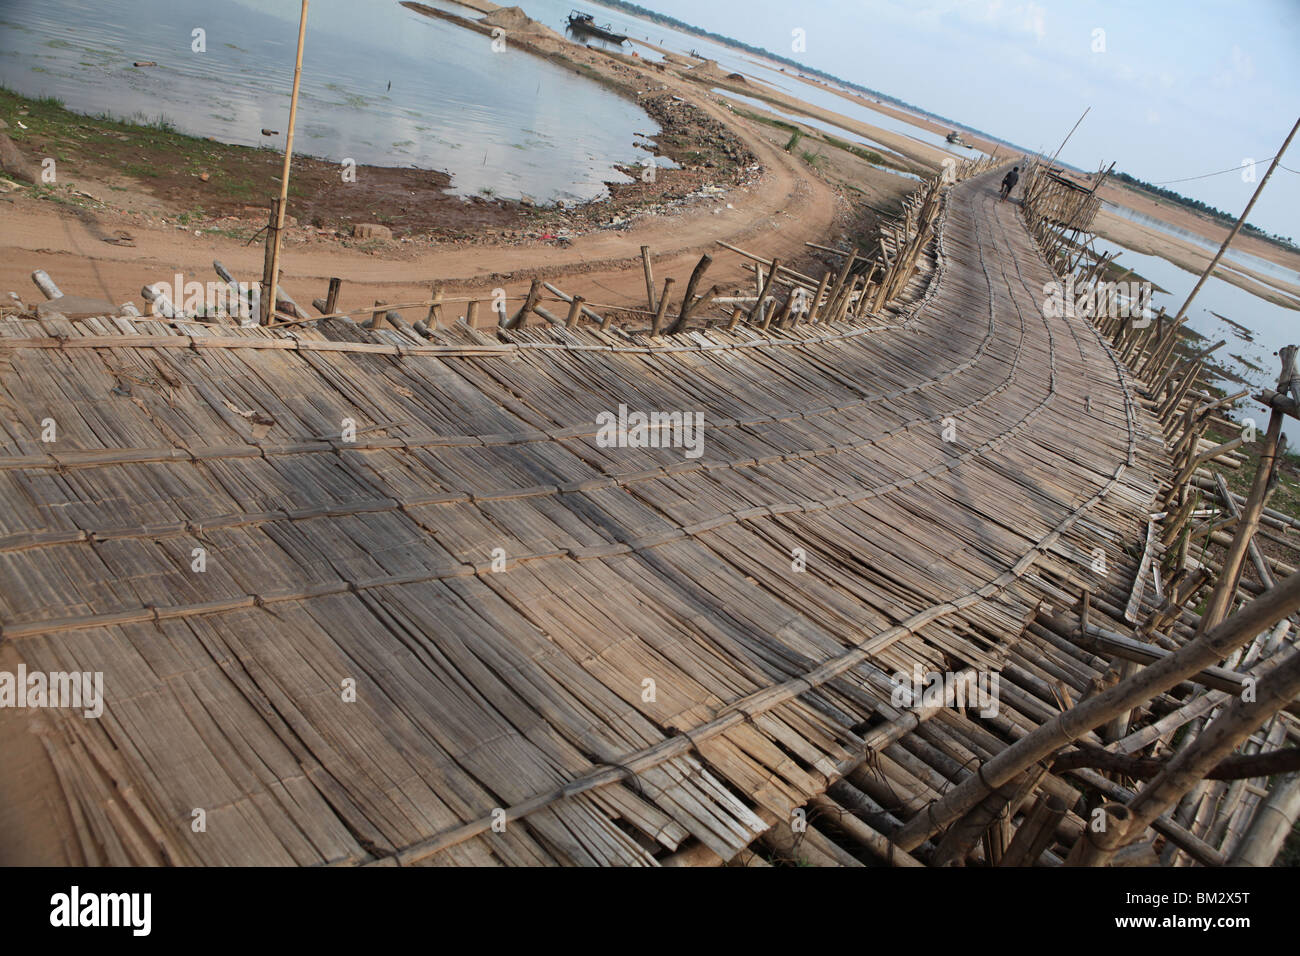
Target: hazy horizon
(1176, 90)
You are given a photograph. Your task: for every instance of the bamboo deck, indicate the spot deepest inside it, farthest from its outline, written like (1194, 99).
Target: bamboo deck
(522, 690)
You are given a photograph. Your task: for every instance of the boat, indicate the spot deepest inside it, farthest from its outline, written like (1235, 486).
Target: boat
(584, 23)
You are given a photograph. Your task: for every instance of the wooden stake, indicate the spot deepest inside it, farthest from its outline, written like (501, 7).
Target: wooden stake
(657, 323)
(268, 288)
(332, 297)
(649, 278)
(687, 304)
(575, 309)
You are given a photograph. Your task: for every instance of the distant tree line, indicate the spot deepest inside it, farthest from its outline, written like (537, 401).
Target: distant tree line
(1204, 208)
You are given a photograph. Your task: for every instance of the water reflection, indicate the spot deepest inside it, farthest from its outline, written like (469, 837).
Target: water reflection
(507, 123)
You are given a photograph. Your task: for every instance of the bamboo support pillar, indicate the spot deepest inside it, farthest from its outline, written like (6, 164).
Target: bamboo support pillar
(817, 297)
(434, 317)
(757, 312)
(575, 310)
(649, 278)
(657, 324)
(530, 303)
(272, 277)
(688, 304)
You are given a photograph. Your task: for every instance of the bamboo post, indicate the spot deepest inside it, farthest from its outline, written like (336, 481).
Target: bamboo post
(657, 324)
(530, 302)
(377, 316)
(817, 297)
(266, 309)
(268, 287)
(688, 304)
(758, 308)
(434, 318)
(649, 278)
(840, 279)
(575, 310)
(332, 296)
(1241, 221)
(471, 313)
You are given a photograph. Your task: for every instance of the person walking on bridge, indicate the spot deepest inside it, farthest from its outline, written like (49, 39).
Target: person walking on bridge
(1009, 181)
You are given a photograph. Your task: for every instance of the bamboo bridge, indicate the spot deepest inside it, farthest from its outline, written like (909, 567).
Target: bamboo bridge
(380, 595)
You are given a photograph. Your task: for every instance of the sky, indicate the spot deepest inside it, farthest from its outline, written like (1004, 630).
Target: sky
(1177, 88)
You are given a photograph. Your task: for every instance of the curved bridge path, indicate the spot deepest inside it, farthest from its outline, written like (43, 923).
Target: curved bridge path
(357, 602)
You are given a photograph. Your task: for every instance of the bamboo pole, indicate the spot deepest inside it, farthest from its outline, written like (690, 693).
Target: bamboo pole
(268, 288)
(1241, 221)
(697, 274)
(658, 322)
(575, 310)
(757, 310)
(649, 278)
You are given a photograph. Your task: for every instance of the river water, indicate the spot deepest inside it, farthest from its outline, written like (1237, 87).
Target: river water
(508, 123)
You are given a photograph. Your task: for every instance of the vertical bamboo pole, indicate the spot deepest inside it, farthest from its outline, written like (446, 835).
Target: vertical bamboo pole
(656, 326)
(575, 309)
(1241, 221)
(270, 282)
(332, 296)
(1226, 588)
(649, 278)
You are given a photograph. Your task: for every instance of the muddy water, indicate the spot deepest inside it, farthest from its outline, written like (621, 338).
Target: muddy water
(503, 123)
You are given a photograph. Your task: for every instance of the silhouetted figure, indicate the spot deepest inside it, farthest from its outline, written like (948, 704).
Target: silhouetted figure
(1009, 181)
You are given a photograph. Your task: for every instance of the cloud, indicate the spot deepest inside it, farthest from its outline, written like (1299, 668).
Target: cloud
(1031, 18)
